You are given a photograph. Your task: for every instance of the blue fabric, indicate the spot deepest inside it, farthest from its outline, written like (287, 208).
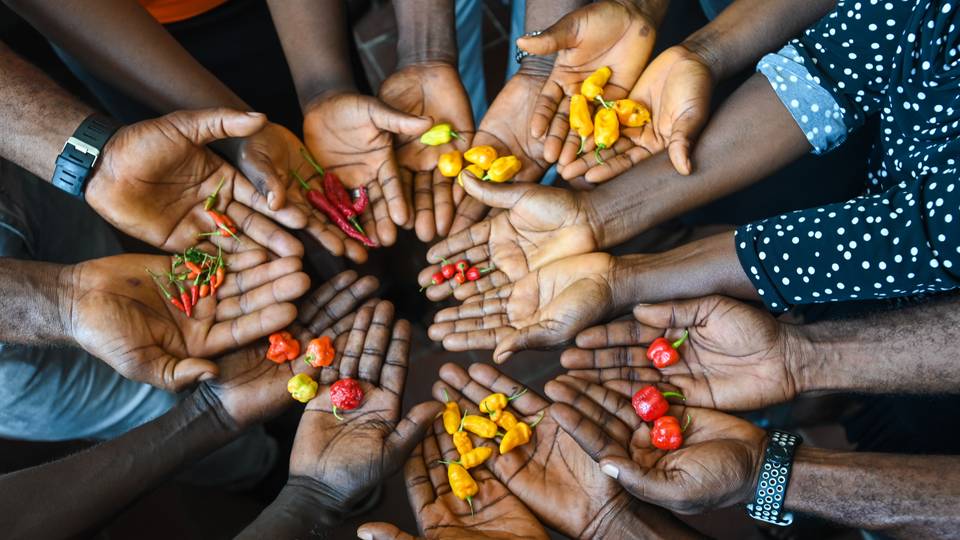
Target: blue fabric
(712, 8)
(469, 14)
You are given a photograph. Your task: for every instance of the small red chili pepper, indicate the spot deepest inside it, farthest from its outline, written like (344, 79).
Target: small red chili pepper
(663, 353)
(194, 294)
(320, 352)
(448, 270)
(667, 433)
(460, 278)
(184, 297)
(222, 220)
(283, 347)
(337, 194)
(462, 265)
(176, 303)
(345, 395)
(474, 273)
(651, 404)
(437, 279)
(194, 269)
(204, 290)
(363, 199)
(320, 202)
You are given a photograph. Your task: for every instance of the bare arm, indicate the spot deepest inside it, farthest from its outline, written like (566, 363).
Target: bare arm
(35, 303)
(426, 32)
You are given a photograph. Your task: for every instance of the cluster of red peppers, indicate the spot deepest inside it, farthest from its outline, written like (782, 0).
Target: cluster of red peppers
(651, 405)
(461, 272)
(194, 274)
(335, 202)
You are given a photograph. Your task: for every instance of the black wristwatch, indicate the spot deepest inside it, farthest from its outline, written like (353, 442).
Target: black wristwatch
(80, 153)
(767, 502)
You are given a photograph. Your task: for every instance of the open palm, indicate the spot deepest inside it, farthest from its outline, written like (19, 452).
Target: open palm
(544, 309)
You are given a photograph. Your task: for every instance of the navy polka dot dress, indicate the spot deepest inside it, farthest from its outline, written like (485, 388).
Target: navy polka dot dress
(899, 59)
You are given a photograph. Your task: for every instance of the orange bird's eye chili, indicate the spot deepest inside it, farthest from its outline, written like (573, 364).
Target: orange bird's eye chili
(320, 352)
(663, 353)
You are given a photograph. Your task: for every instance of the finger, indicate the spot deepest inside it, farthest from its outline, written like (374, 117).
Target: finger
(431, 458)
(443, 202)
(207, 125)
(394, 372)
(237, 283)
(496, 195)
(591, 438)
(611, 402)
(545, 108)
(676, 314)
(389, 119)
(265, 178)
(472, 310)
(410, 431)
(375, 343)
(614, 357)
(616, 430)
(353, 349)
(448, 452)
(528, 404)
(238, 262)
(479, 340)
(289, 215)
(329, 237)
(684, 129)
(419, 489)
(561, 35)
(469, 211)
(489, 282)
(612, 166)
(180, 374)
(336, 299)
(535, 336)
(234, 333)
(618, 333)
(426, 225)
(386, 228)
(367, 219)
(406, 182)
(451, 247)
(264, 232)
(557, 134)
(457, 378)
(284, 289)
(383, 531)
(570, 151)
(331, 374)
(650, 485)
(388, 175)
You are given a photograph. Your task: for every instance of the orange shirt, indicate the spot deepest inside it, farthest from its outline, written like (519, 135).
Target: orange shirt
(170, 11)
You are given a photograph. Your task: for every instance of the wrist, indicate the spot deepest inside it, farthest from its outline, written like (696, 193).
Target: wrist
(308, 497)
(205, 402)
(699, 48)
(626, 281)
(819, 358)
(66, 293)
(536, 66)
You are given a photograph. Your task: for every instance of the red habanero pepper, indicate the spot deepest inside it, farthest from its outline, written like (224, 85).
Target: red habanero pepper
(337, 194)
(321, 203)
(448, 270)
(436, 279)
(460, 278)
(320, 352)
(345, 395)
(667, 433)
(663, 353)
(283, 347)
(176, 303)
(474, 273)
(651, 404)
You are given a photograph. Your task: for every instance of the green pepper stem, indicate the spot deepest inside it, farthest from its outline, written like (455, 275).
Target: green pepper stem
(517, 394)
(356, 225)
(674, 394)
(300, 179)
(596, 153)
(462, 418)
(686, 424)
(676, 344)
(456, 135)
(336, 414)
(446, 397)
(470, 502)
(606, 104)
(537, 421)
(582, 141)
(309, 158)
(156, 279)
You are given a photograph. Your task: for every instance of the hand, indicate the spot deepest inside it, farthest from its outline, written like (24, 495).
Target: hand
(736, 357)
(611, 33)
(433, 90)
(551, 474)
(342, 460)
(116, 313)
(539, 225)
(717, 465)
(505, 128)
(154, 176)
(496, 513)
(676, 87)
(351, 135)
(544, 309)
(253, 389)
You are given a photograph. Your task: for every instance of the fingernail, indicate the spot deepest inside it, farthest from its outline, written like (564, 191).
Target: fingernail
(365, 535)
(207, 376)
(270, 198)
(255, 114)
(610, 471)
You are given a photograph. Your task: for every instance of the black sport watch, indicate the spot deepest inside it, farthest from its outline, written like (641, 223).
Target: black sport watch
(80, 153)
(767, 502)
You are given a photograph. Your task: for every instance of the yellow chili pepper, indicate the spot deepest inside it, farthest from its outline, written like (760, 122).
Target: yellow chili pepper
(518, 435)
(450, 163)
(506, 421)
(474, 170)
(462, 442)
(580, 120)
(451, 417)
(475, 457)
(302, 387)
(439, 134)
(592, 86)
(606, 131)
(630, 113)
(462, 484)
(493, 402)
(503, 169)
(495, 415)
(478, 425)
(481, 156)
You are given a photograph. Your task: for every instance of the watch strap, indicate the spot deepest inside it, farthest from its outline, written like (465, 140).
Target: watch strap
(80, 153)
(767, 505)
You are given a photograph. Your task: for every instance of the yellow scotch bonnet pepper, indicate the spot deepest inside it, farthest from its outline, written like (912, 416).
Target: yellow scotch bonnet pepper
(503, 169)
(439, 134)
(630, 113)
(462, 484)
(474, 170)
(450, 163)
(462, 442)
(481, 156)
(592, 86)
(518, 435)
(302, 387)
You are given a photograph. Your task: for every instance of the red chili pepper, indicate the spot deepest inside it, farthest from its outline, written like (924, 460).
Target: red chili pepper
(337, 194)
(462, 265)
(448, 270)
(320, 352)
(663, 353)
(667, 433)
(651, 404)
(460, 278)
(204, 290)
(184, 298)
(194, 294)
(436, 279)
(176, 303)
(318, 201)
(283, 347)
(474, 273)
(216, 280)
(222, 219)
(363, 199)
(345, 395)
(194, 269)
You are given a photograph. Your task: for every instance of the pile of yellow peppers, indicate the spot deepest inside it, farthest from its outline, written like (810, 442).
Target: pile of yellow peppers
(483, 160)
(515, 433)
(605, 126)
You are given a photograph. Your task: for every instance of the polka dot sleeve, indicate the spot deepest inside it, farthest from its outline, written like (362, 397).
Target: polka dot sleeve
(898, 243)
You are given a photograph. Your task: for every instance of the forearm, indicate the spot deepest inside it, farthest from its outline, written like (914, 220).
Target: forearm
(314, 35)
(65, 497)
(747, 29)
(904, 496)
(36, 116)
(654, 9)
(701, 268)
(749, 137)
(910, 350)
(149, 64)
(426, 32)
(296, 513)
(36, 302)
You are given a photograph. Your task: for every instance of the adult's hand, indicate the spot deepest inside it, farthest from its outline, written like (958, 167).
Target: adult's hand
(676, 87)
(544, 309)
(154, 177)
(717, 465)
(495, 513)
(115, 312)
(351, 135)
(429, 89)
(339, 461)
(538, 225)
(736, 357)
(551, 474)
(612, 33)
(505, 128)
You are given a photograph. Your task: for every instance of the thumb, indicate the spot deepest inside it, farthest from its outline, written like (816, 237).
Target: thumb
(645, 484)
(562, 35)
(389, 119)
(177, 375)
(684, 129)
(382, 531)
(675, 314)
(260, 171)
(528, 337)
(410, 431)
(495, 195)
(207, 125)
